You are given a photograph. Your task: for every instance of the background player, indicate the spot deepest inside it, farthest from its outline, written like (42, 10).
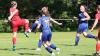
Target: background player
(97, 20)
(16, 21)
(82, 24)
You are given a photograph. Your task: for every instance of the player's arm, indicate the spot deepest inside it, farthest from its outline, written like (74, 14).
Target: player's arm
(55, 21)
(87, 17)
(94, 25)
(38, 25)
(12, 14)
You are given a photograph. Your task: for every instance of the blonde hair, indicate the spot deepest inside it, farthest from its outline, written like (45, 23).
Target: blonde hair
(13, 3)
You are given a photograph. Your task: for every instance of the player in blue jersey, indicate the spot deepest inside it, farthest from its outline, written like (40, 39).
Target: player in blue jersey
(40, 40)
(44, 22)
(83, 24)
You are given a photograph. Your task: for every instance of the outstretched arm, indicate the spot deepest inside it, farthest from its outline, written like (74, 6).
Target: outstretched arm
(94, 25)
(55, 21)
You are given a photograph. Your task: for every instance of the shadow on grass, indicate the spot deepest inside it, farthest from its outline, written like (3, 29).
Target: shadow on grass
(24, 49)
(66, 44)
(5, 49)
(80, 55)
(30, 54)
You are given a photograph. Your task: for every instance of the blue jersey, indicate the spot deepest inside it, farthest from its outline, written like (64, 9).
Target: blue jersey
(45, 23)
(82, 24)
(80, 17)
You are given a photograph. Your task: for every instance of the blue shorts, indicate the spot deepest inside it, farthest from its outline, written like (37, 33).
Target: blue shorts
(46, 36)
(82, 28)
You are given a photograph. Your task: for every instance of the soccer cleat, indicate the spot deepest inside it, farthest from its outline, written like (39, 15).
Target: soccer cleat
(26, 34)
(14, 48)
(76, 44)
(58, 50)
(53, 54)
(38, 49)
(96, 54)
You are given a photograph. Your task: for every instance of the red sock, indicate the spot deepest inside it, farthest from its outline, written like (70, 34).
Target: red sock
(14, 40)
(26, 27)
(97, 46)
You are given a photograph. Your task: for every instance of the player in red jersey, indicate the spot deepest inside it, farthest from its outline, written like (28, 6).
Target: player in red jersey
(97, 21)
(16, 21)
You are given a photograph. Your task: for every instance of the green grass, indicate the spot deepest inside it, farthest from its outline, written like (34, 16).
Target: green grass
(64, 40)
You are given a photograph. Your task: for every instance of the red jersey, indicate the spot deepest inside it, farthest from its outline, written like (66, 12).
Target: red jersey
(16, 16)
(97, 16)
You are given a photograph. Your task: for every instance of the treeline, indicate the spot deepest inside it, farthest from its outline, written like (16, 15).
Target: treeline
(63, 9)
(58, 9)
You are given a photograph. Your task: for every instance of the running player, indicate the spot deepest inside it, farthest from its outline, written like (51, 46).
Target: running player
(44, 21)
(83, 24)
(97, 21)
(16, 21)
(34, 26)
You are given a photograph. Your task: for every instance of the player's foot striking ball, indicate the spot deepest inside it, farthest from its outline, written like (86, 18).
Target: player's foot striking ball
(16, 21)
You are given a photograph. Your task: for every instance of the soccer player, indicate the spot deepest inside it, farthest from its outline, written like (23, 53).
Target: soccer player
(40, 40)
(16, 21)
(44, 21)
(83, 24)
(97, 21)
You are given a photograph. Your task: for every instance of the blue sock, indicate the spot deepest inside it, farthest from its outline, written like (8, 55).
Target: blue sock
(48, 49)
(53, 46)
(77, 40)
(39, 43)
(90, 36)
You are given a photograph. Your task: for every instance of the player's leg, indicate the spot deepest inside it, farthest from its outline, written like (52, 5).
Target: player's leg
(14, 40)
(89, 35)
(77, 39)
(52, 45)
(84, 31)
(98, 44)
(45, 40)
(39, 42)
(14, 29)
(25, 23)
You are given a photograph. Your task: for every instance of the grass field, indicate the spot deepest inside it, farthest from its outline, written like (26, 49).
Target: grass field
(64, 40)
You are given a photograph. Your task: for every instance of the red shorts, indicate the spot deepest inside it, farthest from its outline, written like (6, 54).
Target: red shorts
(17, 23)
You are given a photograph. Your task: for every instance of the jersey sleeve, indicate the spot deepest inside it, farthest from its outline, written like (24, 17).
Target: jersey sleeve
(12, 10)
(97, 16)
(40, 21)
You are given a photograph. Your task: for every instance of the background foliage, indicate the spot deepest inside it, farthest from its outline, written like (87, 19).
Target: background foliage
(59, 9)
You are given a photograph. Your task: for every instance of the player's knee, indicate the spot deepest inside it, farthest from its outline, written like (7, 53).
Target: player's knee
(77, 34)
(44, 44)
(85, 34)
(48, 43)
(14, 34)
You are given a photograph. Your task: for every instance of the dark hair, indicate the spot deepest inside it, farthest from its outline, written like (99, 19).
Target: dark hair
(98, 7)
(86, 9)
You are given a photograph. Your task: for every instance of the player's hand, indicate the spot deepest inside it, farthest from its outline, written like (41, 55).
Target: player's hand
(9, 19)
(83, 19)
(60, 24)
(91, 30)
